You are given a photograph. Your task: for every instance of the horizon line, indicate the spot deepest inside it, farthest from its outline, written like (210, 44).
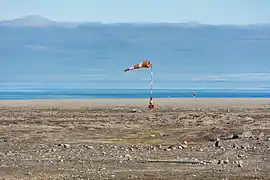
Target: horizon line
(191, 22)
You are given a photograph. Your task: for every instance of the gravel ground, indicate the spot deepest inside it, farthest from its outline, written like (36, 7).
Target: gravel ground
(125, 142)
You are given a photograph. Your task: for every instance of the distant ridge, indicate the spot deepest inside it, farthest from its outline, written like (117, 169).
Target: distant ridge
(36, 21)
(31, 20)
(40, 21)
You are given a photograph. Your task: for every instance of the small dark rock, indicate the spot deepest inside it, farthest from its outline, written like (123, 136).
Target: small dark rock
(226, 161)
(88, 147)
(217, 144)
(66, 146)
(240, 164)
(235, 136)
(220, 161)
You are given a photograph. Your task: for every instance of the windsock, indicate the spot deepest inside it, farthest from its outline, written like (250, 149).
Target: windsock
(143, 64)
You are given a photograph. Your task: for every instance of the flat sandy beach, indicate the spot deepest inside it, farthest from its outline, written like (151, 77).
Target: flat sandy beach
(196, 138)
(159, 102)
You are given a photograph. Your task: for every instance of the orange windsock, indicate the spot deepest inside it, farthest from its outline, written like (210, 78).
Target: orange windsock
(143, 64)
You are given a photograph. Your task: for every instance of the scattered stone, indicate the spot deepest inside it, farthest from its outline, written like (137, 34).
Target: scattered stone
(217, 144)
(235, 146)
(203, 162)
(220, 161)
(235, 136)
(88, 147)
(241, 156)
(52, 150)
(172, 147)
(212, 161)
(226, 161)
(100, 169)
(240, 163)
(66, 146)
(249, 118)
(222, 148)
(184, 145)
(245, 146)
(136, 110)
(247, 134)
(127, 155)
(180, 147)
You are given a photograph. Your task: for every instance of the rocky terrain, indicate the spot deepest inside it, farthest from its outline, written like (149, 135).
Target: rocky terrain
(125, 142)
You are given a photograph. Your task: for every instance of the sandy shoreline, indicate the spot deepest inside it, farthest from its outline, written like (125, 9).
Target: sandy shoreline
(159, 102)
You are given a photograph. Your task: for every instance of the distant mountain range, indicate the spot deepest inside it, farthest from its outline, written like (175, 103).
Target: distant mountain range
(35, 21)
(40, 21)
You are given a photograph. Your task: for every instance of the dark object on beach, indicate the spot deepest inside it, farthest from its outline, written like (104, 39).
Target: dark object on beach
(235, 136)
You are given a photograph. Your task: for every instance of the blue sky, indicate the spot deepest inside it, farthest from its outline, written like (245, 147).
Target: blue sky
(203, 11)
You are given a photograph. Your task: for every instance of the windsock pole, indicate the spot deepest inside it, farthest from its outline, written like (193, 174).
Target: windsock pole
(151, 103)
(151, 83)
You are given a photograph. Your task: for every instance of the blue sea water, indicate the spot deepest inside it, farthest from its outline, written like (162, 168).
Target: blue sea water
(89, 61)
(129, 93)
